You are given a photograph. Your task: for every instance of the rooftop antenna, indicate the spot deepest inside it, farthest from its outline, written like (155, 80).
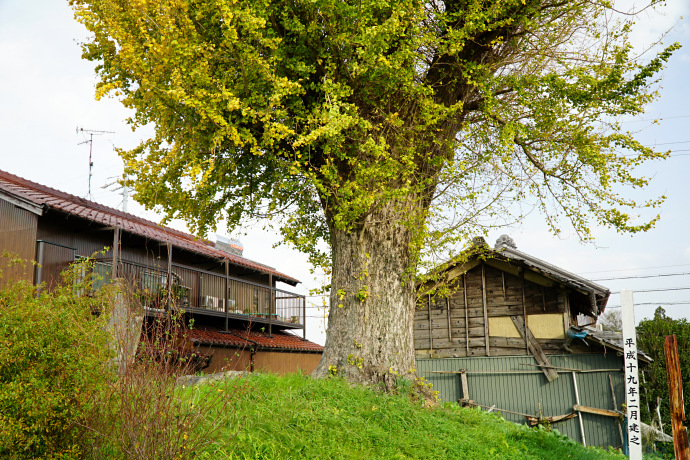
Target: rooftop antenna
(91, 133)
(124, 188)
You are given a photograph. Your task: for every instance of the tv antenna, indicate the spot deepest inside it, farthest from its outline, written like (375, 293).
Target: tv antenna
(125, 190)
(91, 133)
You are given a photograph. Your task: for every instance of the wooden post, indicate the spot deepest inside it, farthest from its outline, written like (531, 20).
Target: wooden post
(199, 281)
(579, 416)
(675, 390)
(503, 282)
(169, 277)
(524, 307)
(304, 317)
(465, 387)
(467, 325)
(227, 294)
(431, 338)
(116, 250)
(534, 347)
(450, 334)
(486, 316)
(566, 314)
(270, 306)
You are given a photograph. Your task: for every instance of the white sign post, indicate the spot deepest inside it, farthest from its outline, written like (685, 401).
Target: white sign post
(632, 390)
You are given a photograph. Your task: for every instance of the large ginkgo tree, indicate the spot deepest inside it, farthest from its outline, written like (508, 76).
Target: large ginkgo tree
(389, 129)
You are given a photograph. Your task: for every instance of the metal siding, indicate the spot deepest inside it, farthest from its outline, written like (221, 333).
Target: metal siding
(524, 392)
(18, 237)
(86, 237)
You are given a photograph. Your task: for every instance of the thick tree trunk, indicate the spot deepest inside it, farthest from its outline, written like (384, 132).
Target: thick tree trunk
(369, 338)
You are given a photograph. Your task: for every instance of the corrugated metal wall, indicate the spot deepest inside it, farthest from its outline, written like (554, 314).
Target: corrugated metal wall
(17, 236)
(512, 383)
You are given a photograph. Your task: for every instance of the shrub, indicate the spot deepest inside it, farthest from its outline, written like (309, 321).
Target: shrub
(52, 354)
(70, 389)
(145, 414)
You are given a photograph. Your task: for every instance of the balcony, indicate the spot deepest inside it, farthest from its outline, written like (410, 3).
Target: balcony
(192, 289)
(204, 292)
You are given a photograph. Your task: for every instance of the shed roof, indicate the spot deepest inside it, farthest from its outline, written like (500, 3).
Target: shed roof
(611, 339)
(591, 297)
(241, 338)
(40, 195)
(504, 248)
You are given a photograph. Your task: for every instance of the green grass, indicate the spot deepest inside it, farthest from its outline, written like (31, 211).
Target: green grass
(297, 417)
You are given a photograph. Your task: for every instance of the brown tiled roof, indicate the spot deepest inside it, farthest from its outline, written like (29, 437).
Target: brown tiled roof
(49, 197)
(243, 338)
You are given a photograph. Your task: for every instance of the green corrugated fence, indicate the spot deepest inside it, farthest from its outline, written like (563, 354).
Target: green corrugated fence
(513, 383)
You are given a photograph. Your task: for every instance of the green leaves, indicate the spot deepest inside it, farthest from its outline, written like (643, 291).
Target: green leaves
(53, 358)
(651, 334)
(324, 111)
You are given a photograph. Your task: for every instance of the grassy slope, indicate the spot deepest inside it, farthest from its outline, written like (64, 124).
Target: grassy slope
(297, 417)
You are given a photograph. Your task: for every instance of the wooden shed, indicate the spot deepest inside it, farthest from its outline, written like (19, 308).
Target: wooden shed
(502, 302)
(500, 329)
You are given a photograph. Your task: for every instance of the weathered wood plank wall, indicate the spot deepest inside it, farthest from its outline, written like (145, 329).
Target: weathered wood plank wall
(459, 325)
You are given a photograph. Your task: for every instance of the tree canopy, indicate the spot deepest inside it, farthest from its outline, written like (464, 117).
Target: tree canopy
(413, 123)
(651, 335)
(270, 106)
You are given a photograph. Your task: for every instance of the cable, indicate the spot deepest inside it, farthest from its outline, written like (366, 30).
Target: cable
(656, 119)
(637, 304)
(673, 154)
(657, 290)
(660, 275)
(667, 143)
(638, 268)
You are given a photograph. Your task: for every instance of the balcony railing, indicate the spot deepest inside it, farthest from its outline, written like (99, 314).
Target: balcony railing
(206, 292)
(190, 288)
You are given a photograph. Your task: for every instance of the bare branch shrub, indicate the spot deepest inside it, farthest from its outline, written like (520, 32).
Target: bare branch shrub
(144, 413)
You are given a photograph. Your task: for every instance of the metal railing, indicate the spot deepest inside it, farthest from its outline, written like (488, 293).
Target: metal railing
(206, 292)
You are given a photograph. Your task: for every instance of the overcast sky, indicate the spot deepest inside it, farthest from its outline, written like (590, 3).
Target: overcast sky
(46, 92)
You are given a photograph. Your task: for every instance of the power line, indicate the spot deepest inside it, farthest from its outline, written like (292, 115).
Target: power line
(667, 143)
(657, 290)
(680, 302)
(659, 275)
(656, 119)
(638, 268)
(673, 154)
